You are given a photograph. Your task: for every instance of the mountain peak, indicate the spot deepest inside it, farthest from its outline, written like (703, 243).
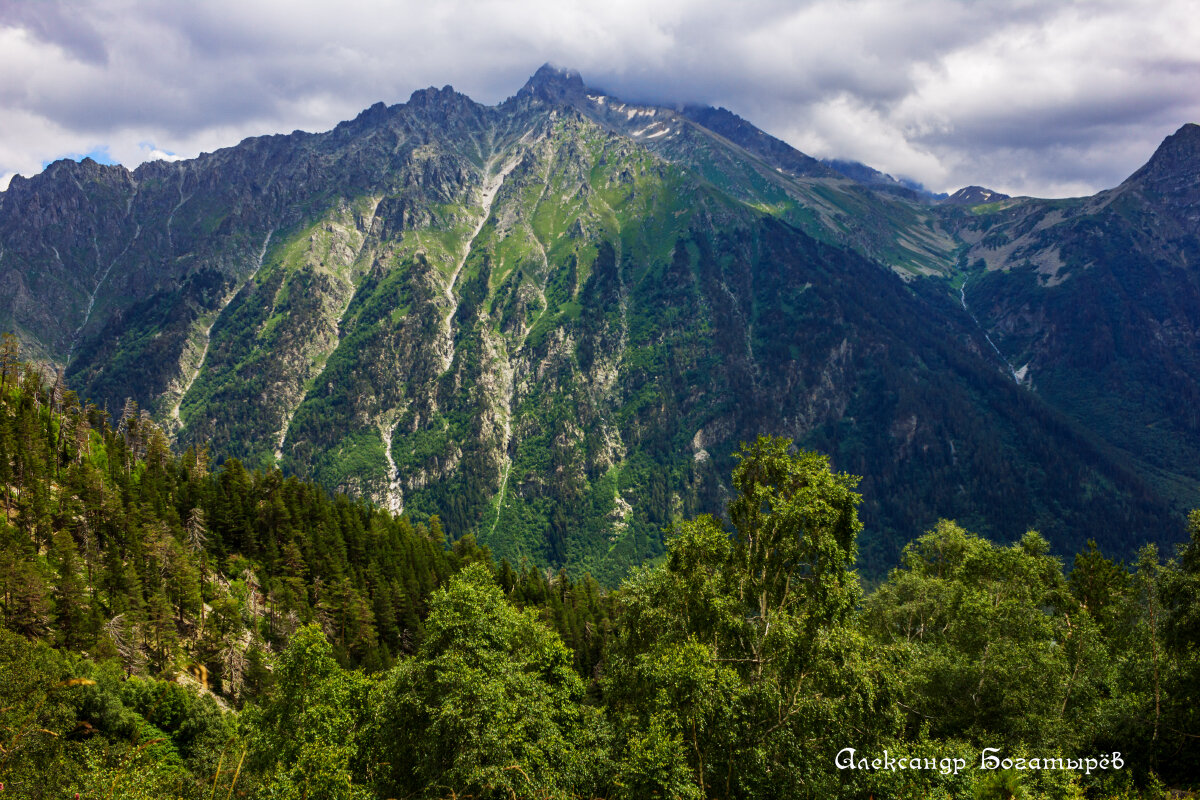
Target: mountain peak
(1171, 175)
(434, 96)
(973, 196)
(1188, 133)
(554, 83)
(1180, 149)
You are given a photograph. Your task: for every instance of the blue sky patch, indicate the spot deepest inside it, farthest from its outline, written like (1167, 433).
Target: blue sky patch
(98, 154)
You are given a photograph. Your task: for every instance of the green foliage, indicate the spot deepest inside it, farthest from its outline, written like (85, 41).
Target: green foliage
(1181, 593)
(71, 725)
(373, 657)
(1174, 654)
(487, 707)
(974, 621)
(796, 524)
(736, 650)
(305, 738)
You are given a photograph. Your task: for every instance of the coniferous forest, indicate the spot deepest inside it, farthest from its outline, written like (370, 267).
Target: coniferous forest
(175, 628)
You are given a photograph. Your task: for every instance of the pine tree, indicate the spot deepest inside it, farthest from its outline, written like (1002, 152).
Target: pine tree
(71, 611)
(28, 610)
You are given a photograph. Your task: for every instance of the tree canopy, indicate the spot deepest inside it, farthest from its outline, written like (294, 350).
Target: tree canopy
(173, 628)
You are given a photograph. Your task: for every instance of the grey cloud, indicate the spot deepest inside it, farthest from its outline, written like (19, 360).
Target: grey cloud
(59, 23)
(936, 90)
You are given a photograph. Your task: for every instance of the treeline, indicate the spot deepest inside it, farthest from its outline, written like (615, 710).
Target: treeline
(173, 630)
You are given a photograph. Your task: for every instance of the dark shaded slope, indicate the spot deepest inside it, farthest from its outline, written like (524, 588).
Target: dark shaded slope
(1100, 297)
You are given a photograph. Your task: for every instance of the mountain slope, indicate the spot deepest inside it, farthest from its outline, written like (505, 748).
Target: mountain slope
(1097, 300)
(551, 322)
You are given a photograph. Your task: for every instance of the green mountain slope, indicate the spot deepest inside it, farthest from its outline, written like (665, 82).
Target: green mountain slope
(551, 322)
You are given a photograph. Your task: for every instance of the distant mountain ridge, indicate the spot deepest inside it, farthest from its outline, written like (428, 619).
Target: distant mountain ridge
(880, 180)
(975, 196)
(552, 320)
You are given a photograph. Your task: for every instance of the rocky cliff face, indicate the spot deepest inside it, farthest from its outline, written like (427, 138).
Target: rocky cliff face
(551, 322)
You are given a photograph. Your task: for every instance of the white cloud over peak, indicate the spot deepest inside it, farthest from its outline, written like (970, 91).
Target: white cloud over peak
(1025, 97)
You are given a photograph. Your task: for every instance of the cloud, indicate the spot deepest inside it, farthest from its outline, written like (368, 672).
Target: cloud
(1021, 95)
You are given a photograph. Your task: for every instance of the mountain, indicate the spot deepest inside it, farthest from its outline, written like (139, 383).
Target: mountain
(975, 196)
(882, 181)
(551, 322)
(1097, 299)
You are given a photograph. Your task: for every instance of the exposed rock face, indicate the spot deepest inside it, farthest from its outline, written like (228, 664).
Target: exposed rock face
(552, 321)
(1171, 179)
(61, 234)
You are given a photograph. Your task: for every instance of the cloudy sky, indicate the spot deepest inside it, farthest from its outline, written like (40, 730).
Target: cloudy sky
(1044, 97)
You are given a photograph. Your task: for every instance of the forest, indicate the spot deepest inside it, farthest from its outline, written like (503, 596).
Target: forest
(174, 628)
